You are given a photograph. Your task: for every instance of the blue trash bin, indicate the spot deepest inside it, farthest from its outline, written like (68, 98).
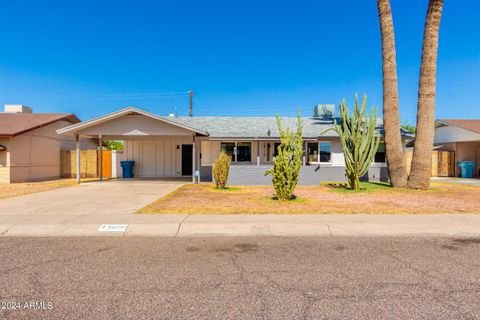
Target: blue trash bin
(466, 168)
(127, 168)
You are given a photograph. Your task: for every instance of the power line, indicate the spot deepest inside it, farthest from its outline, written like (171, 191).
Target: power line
(112, 95)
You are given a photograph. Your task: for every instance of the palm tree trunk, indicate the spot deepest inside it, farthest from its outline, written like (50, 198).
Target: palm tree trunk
(422, 153)
(391, 120)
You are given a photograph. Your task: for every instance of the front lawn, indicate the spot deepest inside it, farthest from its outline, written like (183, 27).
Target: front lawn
(8, 190)
(373, 198)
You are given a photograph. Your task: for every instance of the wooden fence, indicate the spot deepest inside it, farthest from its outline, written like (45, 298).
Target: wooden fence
(89, 163)
(443, 163)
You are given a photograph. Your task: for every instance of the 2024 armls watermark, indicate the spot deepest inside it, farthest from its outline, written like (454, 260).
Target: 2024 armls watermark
(26, 305)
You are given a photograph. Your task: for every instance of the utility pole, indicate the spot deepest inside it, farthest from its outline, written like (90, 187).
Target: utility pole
(191, 102)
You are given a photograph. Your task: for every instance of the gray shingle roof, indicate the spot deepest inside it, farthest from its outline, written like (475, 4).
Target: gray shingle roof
(255, 127)
(258, 127)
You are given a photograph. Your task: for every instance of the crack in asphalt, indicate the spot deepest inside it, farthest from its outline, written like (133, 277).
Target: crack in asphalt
(443, 280)
(329, 230)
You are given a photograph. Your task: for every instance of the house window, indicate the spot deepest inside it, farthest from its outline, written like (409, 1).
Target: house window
(244, 151)
(380, 155)
(267, 155)
(312, 152)
(325, 151)
(319, 152)
(275, 148)
(229, 149)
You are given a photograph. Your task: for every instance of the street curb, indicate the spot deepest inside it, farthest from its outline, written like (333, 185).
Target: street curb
(230, 229)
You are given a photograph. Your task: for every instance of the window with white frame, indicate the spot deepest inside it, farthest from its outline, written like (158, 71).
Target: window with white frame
(244, 151)
(229, 149)
(275, 148)
(238, 151)
(312, 152)
(319, 152)
(325, 151)
(380, 156)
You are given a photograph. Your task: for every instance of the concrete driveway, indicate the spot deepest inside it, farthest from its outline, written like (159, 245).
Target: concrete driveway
(471, 181)
(107, 197)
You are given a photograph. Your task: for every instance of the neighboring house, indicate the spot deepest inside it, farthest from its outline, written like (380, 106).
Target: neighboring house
(177, 146)
(460, 136)
(29, 145)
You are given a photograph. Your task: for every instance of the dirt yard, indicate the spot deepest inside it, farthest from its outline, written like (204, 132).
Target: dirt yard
(377, 198)
(19, 189)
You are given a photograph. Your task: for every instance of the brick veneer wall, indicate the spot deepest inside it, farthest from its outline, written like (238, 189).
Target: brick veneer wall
(311, 175)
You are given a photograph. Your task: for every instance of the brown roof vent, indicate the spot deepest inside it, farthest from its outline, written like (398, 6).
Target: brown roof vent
(16, 108)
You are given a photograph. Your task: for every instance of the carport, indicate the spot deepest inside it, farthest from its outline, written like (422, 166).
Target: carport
(462, 137)
(160, 146)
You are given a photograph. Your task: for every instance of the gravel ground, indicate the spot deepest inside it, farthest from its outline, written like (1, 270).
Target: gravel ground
(378, 199)
(240, 278)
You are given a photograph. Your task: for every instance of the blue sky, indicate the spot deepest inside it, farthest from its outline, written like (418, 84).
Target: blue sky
(240, 57)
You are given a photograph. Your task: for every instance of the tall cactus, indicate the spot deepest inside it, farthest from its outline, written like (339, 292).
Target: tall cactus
(357, 135)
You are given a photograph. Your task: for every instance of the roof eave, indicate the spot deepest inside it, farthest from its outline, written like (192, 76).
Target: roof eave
(72, 129)
(69, 117)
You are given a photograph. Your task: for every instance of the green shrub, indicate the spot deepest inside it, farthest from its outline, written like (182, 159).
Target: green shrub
(221, 167)
(287, 163)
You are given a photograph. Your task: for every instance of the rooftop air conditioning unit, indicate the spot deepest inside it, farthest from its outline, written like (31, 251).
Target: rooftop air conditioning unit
(324, 111)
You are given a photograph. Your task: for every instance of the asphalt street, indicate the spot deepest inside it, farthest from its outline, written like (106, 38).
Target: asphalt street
(239, 278)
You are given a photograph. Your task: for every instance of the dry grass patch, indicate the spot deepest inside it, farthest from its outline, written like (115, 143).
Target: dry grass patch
(374, 199)
(20, 189)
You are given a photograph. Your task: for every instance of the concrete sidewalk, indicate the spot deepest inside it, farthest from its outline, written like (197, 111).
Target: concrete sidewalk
(180, 225)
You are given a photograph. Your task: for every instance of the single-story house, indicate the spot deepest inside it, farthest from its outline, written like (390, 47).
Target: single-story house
(460, 136)
(177, 146)
(30, 146)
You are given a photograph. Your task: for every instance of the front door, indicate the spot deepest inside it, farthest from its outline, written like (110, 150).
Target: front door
(187, 153)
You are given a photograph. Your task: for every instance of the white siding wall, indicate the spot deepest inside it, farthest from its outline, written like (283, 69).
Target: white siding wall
(337, 154)
(210, 151)
(454, 134)
(157, 158)
(139, 125)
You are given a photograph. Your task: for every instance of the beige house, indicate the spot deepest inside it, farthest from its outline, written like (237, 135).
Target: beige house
(460, 136)
(30, 146)
(170, 146)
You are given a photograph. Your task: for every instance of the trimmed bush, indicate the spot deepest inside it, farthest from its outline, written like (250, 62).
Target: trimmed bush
(287, 163)
(221, 167)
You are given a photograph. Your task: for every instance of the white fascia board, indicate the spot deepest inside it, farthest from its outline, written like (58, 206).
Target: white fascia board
(72, 129)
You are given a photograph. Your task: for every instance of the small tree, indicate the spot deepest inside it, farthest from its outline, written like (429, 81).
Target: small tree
(359, 144)
(221, 167)
(113, 145)
(287, 163)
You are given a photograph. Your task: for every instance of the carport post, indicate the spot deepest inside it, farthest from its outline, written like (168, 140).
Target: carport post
(305, 150)
(193, 160)
(77, 156)
(100, 165)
